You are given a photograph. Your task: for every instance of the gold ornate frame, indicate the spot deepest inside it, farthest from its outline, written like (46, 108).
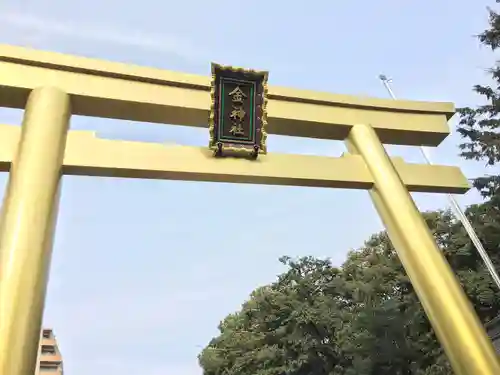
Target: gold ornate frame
(212, 144)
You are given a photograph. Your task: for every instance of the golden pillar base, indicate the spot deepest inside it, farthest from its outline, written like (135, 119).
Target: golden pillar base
(27, 224)
(452, 316)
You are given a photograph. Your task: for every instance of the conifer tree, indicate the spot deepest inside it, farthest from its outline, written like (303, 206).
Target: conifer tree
(480, 126)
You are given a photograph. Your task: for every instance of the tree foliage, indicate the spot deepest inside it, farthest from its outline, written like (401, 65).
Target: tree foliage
(364, 318)
(480, 126)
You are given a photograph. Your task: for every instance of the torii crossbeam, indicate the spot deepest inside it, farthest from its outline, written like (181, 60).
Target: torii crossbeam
(50, 87)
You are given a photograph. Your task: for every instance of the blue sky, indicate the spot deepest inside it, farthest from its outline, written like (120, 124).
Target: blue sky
(136, 286)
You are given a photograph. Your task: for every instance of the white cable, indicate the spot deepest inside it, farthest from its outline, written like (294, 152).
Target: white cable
(455, 206)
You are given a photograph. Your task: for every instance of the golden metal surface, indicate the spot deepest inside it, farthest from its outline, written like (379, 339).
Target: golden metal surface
(37, 156)
(459, 330)
(111, 158)
(113, 90)
(27, 224)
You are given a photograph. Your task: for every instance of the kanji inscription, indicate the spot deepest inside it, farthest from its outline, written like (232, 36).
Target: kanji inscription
(238, 111)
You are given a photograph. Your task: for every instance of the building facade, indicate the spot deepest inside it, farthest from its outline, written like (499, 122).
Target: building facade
(49, 357)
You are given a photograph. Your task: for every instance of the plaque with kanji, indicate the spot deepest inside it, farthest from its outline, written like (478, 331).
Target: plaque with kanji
(238, 116)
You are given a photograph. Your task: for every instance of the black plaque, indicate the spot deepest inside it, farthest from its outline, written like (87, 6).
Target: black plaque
(238, 116)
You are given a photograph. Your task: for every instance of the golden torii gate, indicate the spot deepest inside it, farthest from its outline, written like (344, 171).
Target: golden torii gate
(51, 87)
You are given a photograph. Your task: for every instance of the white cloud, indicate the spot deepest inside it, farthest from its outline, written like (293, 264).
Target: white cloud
(32, 28)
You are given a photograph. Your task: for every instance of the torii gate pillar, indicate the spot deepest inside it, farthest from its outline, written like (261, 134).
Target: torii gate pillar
(51, 86)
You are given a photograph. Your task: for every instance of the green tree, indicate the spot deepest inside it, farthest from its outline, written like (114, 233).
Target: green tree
(480, 126)
(286, 327)
(359, 319)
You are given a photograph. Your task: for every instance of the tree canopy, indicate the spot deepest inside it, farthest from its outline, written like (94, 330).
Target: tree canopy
(363, 318)
(480, 126)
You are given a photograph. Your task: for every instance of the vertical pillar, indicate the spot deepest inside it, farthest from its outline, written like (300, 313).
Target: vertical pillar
(27, 223)
(451, 314)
